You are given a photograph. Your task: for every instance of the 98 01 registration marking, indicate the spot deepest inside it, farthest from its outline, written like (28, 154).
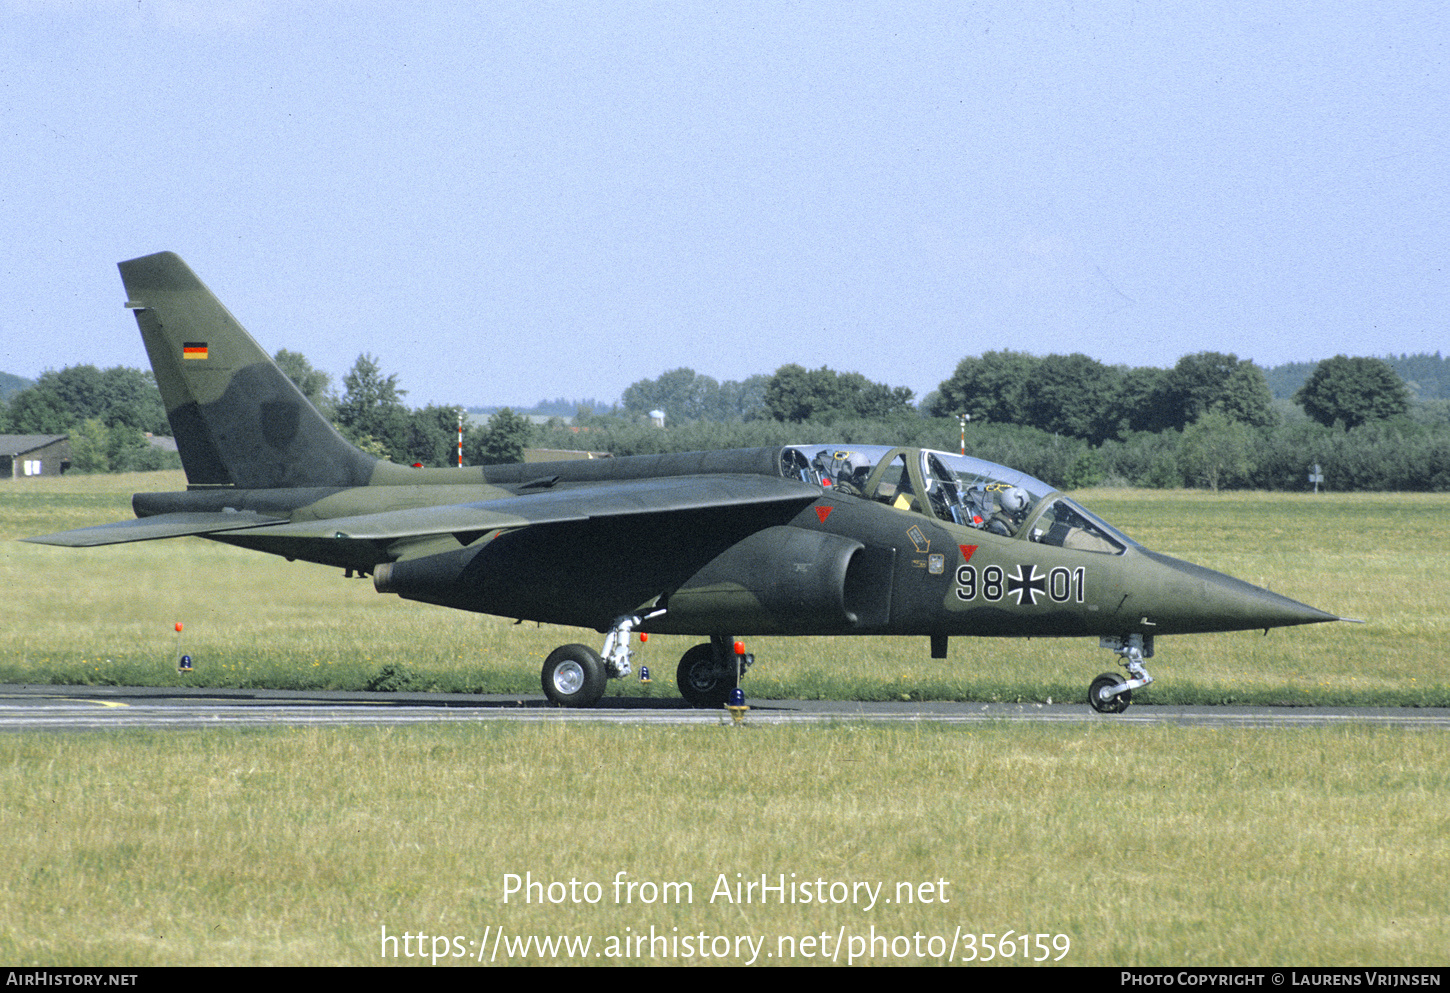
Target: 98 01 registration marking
(1061, 585)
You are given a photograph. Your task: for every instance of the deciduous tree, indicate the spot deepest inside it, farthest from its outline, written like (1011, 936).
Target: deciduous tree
(796, 394)
(502, 442)
(315, 384)
(992, 388)
(1208, 381)
(372, 407)
(1218, 451)
(1353, 391)
(36, 411)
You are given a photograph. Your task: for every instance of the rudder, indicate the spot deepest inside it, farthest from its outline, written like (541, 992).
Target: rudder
(238, 420)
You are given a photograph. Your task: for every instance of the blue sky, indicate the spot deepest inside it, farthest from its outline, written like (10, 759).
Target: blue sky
(506, 202)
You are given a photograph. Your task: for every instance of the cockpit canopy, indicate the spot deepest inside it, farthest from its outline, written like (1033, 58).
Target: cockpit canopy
(957, 489)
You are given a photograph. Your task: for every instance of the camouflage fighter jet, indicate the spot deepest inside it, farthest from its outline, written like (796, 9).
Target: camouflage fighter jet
(805, 539)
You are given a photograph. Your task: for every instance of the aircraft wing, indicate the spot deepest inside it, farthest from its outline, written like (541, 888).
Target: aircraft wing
(631, 498)
(159, 526)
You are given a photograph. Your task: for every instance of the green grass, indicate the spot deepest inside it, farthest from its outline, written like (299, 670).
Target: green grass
(1143, 845)
(107, 615)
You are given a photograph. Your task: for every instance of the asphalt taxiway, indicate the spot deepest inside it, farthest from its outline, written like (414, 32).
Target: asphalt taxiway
(90, 708)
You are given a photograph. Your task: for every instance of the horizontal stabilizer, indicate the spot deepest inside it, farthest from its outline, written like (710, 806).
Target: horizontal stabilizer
(160, 526)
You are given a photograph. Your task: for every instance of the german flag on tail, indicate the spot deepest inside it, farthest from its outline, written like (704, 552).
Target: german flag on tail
(193, 350)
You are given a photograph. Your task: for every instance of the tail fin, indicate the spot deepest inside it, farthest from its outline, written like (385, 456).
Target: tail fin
(237, 418)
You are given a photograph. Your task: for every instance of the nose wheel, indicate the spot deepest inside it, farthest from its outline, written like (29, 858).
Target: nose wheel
(1107, 695)
(1110, 693)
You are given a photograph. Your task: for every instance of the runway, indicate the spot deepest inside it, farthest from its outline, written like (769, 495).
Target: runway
(100, 708)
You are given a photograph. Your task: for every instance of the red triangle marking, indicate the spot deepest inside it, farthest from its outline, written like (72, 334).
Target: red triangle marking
(967, 551)
(824, 512)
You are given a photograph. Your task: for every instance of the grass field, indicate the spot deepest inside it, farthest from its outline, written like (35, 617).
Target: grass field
(1137, 845)
(1142, 845)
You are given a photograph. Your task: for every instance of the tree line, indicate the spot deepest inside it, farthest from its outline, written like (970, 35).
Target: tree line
(1074, 395)
(1211, 420)
(1212, 453)
(370, 413)
(109, 413)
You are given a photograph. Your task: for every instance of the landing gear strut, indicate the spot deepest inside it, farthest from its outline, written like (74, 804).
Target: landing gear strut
(1110, 693)
(575, 675)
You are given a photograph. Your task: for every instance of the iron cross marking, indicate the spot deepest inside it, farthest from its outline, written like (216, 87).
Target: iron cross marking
(1029, 588)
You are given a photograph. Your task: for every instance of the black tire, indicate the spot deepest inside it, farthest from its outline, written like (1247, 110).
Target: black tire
(703, 681)
(574, 676)
(1101, 698)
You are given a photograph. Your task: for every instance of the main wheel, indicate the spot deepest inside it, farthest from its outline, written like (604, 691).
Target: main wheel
(574, 676)
(703, 681)
(1102, 697)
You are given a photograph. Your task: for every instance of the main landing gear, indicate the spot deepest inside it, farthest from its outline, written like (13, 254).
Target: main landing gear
(1110, 693)
(575, 675)
(708, 672)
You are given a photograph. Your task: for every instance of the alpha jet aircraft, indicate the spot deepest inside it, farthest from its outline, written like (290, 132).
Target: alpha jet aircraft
(805, 539)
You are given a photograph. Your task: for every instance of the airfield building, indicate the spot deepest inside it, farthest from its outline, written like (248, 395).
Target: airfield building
(23, 455)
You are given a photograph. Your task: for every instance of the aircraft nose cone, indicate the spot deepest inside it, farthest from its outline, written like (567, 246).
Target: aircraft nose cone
(1181, 597)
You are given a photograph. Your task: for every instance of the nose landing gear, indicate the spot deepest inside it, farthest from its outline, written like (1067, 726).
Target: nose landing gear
(1110, 693)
